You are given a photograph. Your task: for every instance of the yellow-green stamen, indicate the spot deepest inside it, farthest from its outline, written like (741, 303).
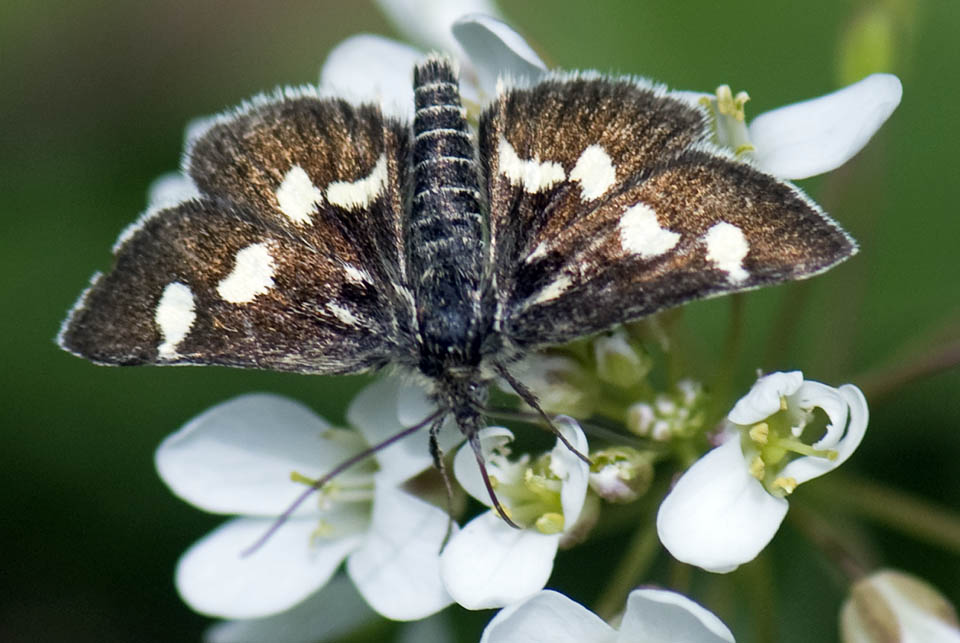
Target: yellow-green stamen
(550, 523)
(760, 432)
(730, 105)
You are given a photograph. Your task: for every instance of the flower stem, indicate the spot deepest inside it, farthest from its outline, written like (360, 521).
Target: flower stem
(733, 345)
(883, 381)
(847, 556)
(893, 508)
(786, 327)
(759, 589)
(637, 559)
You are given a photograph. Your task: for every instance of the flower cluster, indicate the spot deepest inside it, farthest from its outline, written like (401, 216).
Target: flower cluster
(239, 457)
(405, 557)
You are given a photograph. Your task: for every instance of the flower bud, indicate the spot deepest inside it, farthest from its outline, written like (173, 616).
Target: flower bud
(890, 606)
(677, 414)
(620, 474)
(618, 362)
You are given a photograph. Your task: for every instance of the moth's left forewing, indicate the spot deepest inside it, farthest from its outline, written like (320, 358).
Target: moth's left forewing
(623, 208)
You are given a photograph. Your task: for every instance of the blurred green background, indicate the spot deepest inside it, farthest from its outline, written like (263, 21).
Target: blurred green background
(93, 102)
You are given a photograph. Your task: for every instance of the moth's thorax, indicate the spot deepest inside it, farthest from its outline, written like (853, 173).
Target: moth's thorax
(446, 251)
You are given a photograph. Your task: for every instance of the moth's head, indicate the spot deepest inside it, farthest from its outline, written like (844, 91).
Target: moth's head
(440, 360)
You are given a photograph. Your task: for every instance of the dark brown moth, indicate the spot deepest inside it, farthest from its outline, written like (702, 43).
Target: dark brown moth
(326, 238)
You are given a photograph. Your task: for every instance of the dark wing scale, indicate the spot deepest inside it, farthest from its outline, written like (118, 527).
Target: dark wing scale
(329, 306)
(246, 157)
(567, 266)
(556, 120)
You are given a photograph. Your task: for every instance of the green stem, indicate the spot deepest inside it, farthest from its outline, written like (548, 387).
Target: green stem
(785, 329)
(844, 551)
(883, 381)
(733, 344)
(904, 512)
(635, 562)
(756, 579)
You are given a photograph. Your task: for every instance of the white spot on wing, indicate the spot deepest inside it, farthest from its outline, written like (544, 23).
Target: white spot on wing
(354, 195)
(252, 275)
(552, 290)
(726, 249)
(539, 251)
(174, 316)
(532, 175)
(641, 234)
(298, 196)
(595, 172)
(357, 275)
(343, 314)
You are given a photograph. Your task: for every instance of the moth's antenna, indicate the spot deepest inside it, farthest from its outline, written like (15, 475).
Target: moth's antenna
(337, 470)
(527, 396)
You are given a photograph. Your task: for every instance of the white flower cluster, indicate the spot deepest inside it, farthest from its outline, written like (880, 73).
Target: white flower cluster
(253, 456)
(238, 457)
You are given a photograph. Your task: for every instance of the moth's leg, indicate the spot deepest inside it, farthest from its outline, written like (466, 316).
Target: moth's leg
(437, 454)
(481, 462)
(527, 396)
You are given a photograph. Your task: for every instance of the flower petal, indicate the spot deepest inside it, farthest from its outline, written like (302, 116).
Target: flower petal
(803, 469)
(763, 399)
(813, 395)
(215, 578)
(327, 615)
(890, 605)
(819, 135)
(718, 516)
(171, 189)
(372, 69)
(661, 615)
(237, 456)
(495, 50)
(490, 564)
(373, 412)
(427, 22)
(574, 472)
(397, 569)
(547, 616)
(465, 467)
(414, 405)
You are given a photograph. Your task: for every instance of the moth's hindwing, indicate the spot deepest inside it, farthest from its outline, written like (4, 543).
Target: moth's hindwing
(607, 203)
(288, 259)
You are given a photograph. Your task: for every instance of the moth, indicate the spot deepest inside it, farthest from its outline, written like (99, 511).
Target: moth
(326, 237)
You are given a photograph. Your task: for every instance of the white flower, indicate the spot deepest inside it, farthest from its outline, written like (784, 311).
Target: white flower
(327, 615)
(793, 142)
(428, 23)
(238, 457)
(369, 68)
(890, 605)
(652, 616)
(730, 503)
(811, 137)
(491, 564)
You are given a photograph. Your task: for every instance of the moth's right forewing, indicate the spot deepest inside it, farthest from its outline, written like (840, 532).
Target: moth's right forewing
(290, 258)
